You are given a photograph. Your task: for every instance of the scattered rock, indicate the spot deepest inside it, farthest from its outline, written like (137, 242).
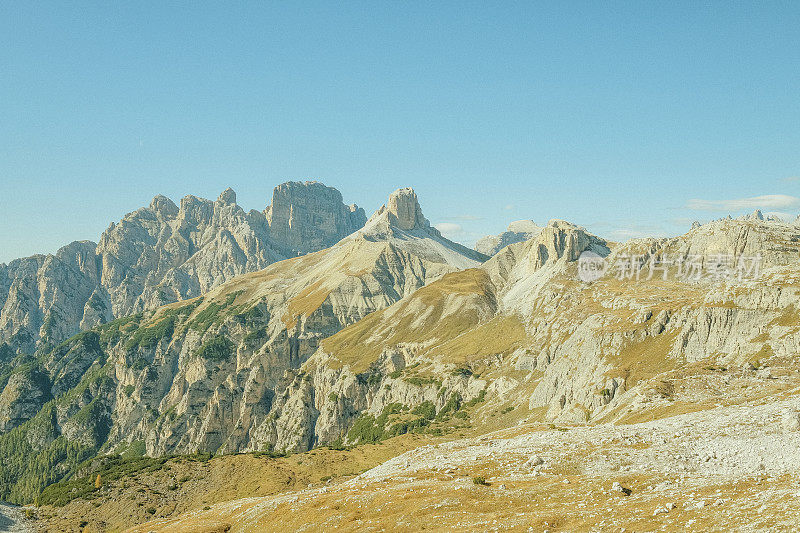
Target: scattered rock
(534, 462)
(617, 487)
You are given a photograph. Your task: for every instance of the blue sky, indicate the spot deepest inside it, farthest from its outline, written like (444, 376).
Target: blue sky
(631, 118)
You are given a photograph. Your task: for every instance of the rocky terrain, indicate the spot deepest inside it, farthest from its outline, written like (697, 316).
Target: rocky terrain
(729, 468)
(218, 373)
(395, 331)
(162, 254)
(12, 520)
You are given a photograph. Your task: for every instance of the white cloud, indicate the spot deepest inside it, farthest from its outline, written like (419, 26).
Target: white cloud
(509, 207)
(791, 179)
(449, 229)
(774, 201)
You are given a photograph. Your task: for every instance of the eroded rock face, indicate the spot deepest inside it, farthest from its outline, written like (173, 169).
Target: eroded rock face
(161, 254)
(291, 356)
(404, 210)
(224, 372)
(308, 216)
(44, 297)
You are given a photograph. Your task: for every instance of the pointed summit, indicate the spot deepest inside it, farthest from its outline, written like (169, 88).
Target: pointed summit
(401, 223)
(163, 205)
(524, 226)
(401, 212)
(228, 197)
(518, 231)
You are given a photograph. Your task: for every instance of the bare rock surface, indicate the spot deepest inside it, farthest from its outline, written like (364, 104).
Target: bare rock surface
(161, 254)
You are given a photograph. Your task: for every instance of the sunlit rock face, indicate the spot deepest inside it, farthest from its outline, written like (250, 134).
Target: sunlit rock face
(161, 254)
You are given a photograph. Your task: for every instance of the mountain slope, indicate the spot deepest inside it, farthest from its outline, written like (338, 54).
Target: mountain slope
(214, 373)
(528, 330)
(373, 338)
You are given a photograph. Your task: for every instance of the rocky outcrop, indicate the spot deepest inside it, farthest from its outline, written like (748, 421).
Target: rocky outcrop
(521, 230)
(44, 298)
(26, 391)
(161, 254)
(308, 216)
(404, 211)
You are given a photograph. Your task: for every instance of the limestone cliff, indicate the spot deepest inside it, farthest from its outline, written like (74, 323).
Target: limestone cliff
(161, 254)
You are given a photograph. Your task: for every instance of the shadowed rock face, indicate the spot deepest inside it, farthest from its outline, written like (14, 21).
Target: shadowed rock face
(160, 254)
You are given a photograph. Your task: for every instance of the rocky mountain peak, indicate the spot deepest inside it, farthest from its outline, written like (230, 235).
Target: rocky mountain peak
(164, 206)
(523, 226)
(404, 210)
(228, 196)
(306, 216)
(756, 215)
(162, 253)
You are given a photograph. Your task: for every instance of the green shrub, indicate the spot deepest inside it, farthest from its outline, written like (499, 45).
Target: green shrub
(218, 348)
(452, 405)
(407, 426)
(366, 429)
(150, 336)
(426, 410)
(421, 382)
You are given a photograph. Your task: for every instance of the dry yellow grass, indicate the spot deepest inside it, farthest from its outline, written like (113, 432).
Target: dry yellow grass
(125, 503)
(425, 316)
(309, 300)
(438, 502)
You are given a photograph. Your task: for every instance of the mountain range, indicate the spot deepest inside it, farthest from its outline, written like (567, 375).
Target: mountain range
(161, 254)
(203, 329)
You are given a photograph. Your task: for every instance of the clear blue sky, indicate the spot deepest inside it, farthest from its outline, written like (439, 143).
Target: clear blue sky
(630, 118)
